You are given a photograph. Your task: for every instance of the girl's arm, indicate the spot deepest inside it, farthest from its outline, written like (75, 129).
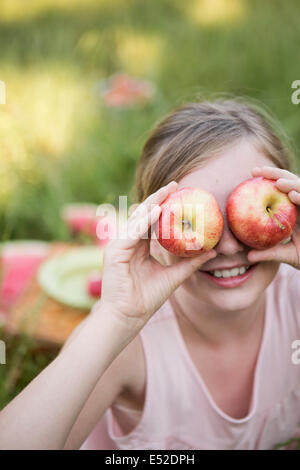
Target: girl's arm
(134, 286)
(124, 377)
(42, 416)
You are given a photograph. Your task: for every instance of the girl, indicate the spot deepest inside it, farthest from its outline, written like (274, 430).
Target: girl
(171, 357)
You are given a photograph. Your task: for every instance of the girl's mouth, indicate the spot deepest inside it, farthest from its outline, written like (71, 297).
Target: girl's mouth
(232, 277)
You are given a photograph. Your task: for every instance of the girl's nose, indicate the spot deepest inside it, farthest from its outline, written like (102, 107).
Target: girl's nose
(228, 244)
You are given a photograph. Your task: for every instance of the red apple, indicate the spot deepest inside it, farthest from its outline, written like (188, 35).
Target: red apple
(94, 284)
(190, 222)
(259, 214)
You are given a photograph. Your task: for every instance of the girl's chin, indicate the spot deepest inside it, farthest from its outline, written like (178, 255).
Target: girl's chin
(229, 301)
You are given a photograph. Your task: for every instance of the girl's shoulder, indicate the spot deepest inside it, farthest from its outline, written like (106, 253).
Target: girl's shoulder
(287, 275)
(284, 297)
(136, 354)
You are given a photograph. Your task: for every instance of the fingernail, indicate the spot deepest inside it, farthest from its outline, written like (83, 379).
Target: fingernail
(286, 241)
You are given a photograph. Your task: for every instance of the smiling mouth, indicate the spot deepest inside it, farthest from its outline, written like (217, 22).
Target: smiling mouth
(230, 273)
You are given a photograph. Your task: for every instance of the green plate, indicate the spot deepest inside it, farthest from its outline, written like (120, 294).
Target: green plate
(64, 277)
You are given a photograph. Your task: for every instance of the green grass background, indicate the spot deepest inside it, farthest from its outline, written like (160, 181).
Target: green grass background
(58, 143)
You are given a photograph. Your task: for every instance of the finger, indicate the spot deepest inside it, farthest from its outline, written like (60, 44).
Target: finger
(183, 269)
(156, 252)
(294, 197)
(138, 228)
(286, 241)
(138, 210)
(132, 208)
(160, 195)
(143, 216)
(286, 185)
(140, 213)
(273, 173)
(155, 198)
(280, 253)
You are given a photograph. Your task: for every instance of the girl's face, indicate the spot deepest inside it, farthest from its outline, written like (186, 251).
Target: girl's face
(220, 176)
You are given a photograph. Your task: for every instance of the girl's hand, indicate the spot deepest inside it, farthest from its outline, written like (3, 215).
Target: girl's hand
(134, 284)
(288, 252)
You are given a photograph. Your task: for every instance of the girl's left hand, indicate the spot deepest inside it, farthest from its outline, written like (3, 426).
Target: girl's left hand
(289, 252)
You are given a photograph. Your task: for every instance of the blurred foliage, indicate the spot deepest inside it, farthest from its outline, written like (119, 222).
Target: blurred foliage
(60, 144)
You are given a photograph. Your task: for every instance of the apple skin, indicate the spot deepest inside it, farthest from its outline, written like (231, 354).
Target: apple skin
(190, 222)
(250, 220)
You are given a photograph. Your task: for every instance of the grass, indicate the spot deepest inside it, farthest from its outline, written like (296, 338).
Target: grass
(58, 141)
(60, 144)
(25, 359)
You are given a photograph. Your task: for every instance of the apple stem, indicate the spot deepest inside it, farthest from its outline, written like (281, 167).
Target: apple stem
(275, 218)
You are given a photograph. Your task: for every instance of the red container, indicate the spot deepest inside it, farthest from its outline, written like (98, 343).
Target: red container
(19, 263)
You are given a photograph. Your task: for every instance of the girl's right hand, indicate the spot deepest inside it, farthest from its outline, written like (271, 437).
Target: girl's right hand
(134, 284)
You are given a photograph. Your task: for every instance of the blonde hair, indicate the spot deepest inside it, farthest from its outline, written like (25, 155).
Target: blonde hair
(195, 132)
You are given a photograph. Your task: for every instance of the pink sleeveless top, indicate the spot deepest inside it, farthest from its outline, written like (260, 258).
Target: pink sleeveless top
(180, 413)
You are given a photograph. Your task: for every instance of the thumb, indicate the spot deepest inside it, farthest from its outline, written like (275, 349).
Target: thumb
(279, 253)
(183, 269)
